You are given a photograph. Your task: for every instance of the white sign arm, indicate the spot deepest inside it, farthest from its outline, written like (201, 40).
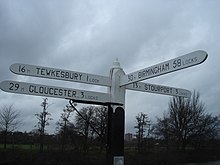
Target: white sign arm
(53, 91)
(59, 74)
(175, 64)
(159, 89)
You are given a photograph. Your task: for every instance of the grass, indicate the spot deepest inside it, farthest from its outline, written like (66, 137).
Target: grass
(29, 154)
(26, 147)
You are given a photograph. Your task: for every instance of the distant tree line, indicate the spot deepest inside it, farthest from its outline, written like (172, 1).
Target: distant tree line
(88, 128)
(186, 124)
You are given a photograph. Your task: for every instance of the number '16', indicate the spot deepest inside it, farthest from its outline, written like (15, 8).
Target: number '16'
(21, 68)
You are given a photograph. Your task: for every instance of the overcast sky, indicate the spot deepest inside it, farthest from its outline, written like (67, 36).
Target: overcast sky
(87, 36)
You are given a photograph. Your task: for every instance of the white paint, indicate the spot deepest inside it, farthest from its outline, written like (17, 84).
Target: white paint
(117, 92)
(118, 160)
(53, 91)
(172, 65)
(159, 89)
(59, 74)
(115, 82)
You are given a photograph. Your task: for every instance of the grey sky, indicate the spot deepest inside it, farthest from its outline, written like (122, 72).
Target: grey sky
(87, 36)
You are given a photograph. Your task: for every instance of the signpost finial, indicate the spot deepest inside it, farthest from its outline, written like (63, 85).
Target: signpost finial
(116, 64)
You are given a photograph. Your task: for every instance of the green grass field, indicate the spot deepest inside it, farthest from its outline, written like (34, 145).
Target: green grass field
(21, 146)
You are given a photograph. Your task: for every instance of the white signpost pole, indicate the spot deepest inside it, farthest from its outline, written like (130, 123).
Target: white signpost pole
(116, 120)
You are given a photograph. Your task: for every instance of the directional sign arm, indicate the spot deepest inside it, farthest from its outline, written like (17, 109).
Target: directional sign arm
(159, 89)
(59, 74)
(172, 65)
(53, 91)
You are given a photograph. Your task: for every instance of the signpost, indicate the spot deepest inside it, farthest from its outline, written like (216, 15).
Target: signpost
(53, 91)
(59, 74)
(175, 64)
(117, 84)
(159, 89)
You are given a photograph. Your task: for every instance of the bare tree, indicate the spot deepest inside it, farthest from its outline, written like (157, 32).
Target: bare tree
(64, 123)
(43, 120)
(99, 122)
(83, 124)
(9, 121)
(142, 122)
(186, 119)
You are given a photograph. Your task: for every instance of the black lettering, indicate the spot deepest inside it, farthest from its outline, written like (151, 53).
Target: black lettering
(71, 76)
(135, 85)
(46, 91)
(177, 91)
(42, 71)
(139, 75)
(31, 88)
(167, 66)
(130, 77)
(164, 89)
(60, 92)
(75, 76)
(189, 61)
(92, 97)
(48, 72)
(80, 76)
(55, 91)
(35, 89)
(67, 75)
(65, 94)
(53, 73)
(146, 87)
(158, 69)
(73, 94)
(82, 93)
(69, 93)
(177, 63)
(62, 74)
(163, 68)
(195, 59)
(94, 80)
(11, 86)
(151, 87)
(38, 70)
(51, 91)
(57, 73)
(171, 90)
(158, 88)
(41, 90)
(16, 86)
(152, 71)
(21, 69)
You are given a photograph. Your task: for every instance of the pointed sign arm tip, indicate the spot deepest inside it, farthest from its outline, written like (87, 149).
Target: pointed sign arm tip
(206, 56)
(11, 68)
(175, 64)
